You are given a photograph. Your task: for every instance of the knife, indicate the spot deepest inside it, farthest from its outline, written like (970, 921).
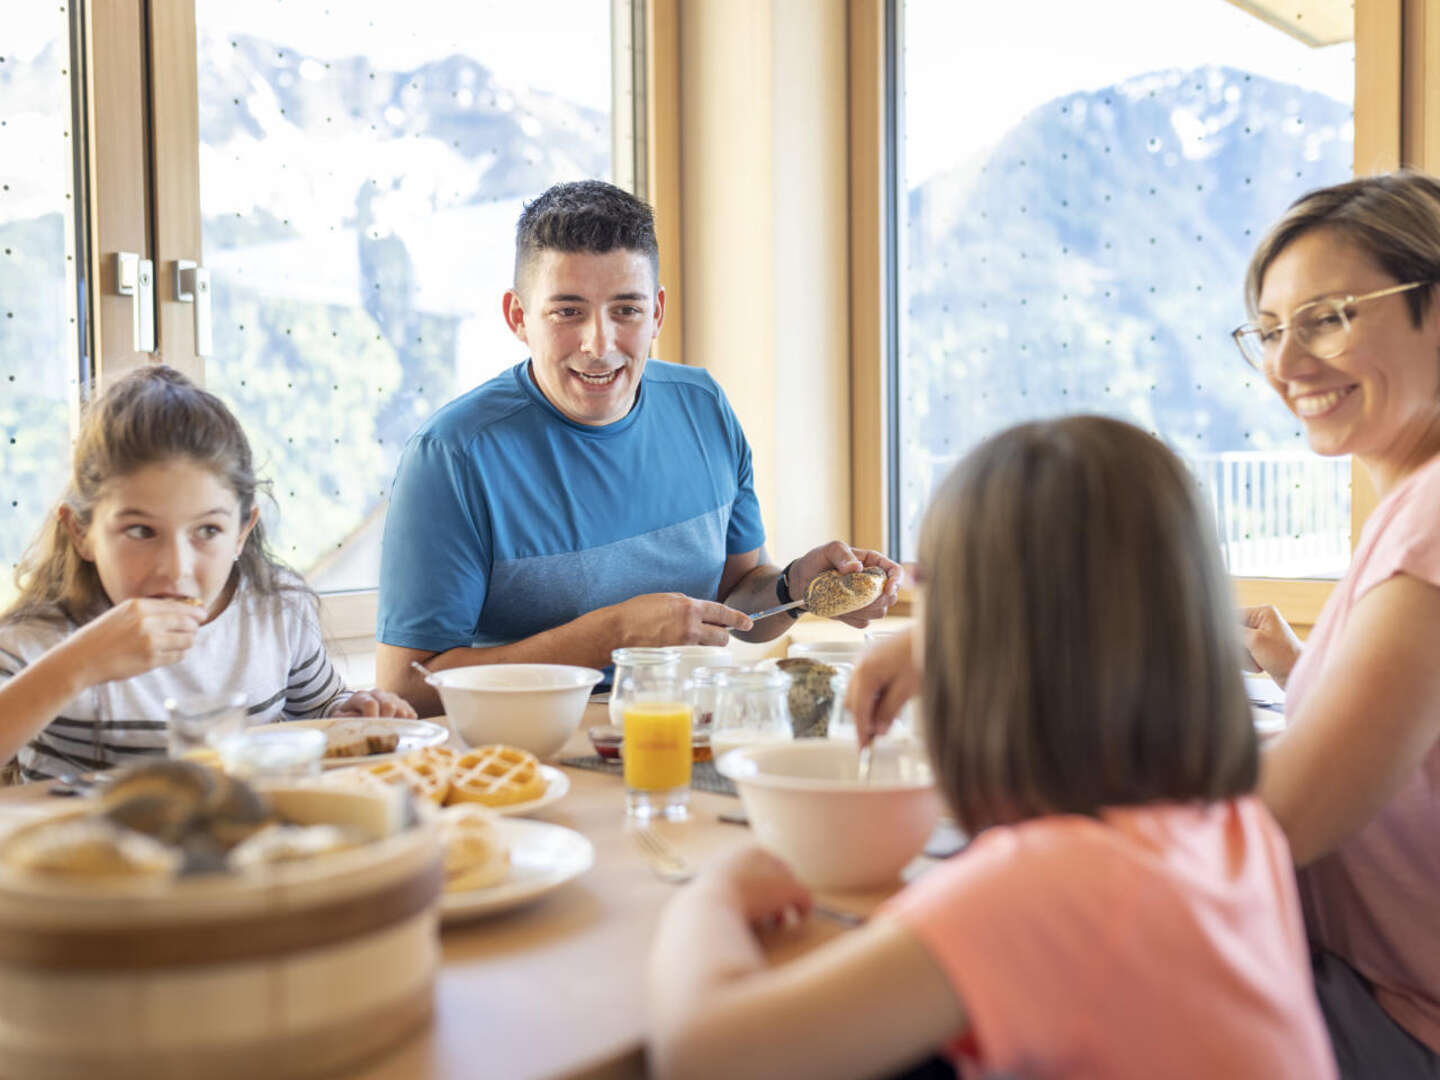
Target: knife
(756, 616)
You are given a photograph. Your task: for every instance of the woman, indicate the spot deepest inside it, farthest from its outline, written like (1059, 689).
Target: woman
(1344, 294)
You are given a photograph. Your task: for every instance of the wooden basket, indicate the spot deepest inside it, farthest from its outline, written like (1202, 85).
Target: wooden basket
(291, 970)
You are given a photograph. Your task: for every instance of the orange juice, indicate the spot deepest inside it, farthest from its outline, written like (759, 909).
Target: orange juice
(657, 746)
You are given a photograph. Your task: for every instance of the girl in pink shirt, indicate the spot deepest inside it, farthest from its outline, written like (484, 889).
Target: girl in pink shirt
(1126, 908)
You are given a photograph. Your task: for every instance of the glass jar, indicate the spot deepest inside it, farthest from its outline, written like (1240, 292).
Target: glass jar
(704, 685)
(842, 721)
(652, 701)
(751, 707)
(640, 673)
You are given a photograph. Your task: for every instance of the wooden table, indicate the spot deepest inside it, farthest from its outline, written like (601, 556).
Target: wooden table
(557, 988)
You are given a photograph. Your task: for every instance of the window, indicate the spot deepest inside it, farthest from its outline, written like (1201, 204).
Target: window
(40, 332)
(1081, 189)
(362, 167)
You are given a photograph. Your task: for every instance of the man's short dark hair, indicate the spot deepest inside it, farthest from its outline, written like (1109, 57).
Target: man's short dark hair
(590, 216)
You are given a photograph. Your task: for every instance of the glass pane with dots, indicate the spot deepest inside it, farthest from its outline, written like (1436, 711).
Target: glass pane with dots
(1083, 185)
(362, 166)
(39, 319)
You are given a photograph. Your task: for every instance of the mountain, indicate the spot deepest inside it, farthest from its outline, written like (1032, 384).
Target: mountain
(1094, 260)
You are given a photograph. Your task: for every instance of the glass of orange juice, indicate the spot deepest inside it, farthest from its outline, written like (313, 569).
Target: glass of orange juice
(657, 754)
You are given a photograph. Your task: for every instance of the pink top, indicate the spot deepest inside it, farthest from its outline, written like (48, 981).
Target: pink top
(1157, 941)
(1375, 900)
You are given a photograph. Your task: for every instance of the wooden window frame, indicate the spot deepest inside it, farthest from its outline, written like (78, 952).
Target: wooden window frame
(1397, 61)
(142, 83)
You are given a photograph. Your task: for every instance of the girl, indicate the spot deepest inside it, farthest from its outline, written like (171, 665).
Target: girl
(153, 580)
(1126, 907)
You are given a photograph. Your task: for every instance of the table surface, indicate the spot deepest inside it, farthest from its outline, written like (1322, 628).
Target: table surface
(556, 988)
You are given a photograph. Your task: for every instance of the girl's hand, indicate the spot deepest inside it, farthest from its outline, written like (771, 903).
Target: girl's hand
(885, 678)
(133, 637)
(757, 885)
(1270, 645)
(375, 703)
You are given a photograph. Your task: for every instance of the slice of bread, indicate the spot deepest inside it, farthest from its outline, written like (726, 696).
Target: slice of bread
(360, 737)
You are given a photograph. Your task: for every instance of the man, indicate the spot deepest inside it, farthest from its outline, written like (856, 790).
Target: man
(587, 499)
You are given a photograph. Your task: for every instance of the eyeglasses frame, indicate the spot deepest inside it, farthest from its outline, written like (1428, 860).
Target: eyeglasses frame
(1340, 303)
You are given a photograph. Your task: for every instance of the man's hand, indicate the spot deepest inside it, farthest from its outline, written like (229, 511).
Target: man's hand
(656, 619)
(133, 637)
(1270, 645)
(374, 703)
(847, 560)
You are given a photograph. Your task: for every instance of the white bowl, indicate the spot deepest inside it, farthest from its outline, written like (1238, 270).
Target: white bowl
(536, 707)
(829, 652)
(807, 804)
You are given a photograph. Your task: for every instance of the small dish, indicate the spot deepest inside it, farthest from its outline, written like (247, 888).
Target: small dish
(413, 735)
(606, 740)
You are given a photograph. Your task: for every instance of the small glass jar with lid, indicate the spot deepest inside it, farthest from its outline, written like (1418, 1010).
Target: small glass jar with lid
(751, 707)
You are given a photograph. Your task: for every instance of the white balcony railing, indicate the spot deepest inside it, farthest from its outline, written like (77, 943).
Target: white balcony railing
(1279, 513)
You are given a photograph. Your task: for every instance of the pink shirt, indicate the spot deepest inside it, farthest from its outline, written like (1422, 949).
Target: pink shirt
(1159, 941)
(1375, 900)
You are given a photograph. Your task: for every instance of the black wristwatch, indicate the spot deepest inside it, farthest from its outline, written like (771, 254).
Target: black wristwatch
(782, 590)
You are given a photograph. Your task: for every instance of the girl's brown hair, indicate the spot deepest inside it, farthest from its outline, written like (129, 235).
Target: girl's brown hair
(150, 416)
(1081, 648)
(1394, 218)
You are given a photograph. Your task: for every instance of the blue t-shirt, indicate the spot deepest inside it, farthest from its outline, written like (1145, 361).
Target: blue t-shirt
(507, 518)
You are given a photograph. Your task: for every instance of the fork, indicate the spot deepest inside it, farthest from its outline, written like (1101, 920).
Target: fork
(669, 865)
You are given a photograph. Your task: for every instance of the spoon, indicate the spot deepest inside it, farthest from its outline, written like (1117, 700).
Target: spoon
(865, 763)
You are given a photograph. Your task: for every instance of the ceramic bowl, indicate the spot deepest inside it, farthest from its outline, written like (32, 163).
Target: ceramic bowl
(536, 707)
(807, 804)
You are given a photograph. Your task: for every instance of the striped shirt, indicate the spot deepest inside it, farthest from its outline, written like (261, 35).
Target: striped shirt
(268, 648)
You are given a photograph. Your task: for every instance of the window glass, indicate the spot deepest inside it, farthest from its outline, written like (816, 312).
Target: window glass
(39, 338)
(362, 166)
(1083, 185)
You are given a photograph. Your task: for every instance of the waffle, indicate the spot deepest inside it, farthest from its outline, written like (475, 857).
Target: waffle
(476, 855)
(496, 775)
(426, 772)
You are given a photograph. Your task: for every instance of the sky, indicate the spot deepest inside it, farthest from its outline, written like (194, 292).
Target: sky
(567, 33)
(974, 68)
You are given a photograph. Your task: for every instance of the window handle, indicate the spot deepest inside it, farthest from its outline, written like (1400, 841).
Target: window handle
(192, 286)
(135, 278)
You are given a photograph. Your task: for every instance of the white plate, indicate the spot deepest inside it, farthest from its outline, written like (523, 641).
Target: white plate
(556, 785)
(413, 735)
(542, 857)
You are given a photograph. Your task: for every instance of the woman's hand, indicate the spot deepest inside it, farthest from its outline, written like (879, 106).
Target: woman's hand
(884, 680)
(374, 703)
(1270, 645)
(757, 886)
(133, 637)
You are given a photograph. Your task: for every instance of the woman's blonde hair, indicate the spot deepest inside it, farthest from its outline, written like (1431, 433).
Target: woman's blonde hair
(150, 416)
(1081, 648)
(1394, 218)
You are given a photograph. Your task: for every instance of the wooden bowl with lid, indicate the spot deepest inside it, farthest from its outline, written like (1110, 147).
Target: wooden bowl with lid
(284, 970)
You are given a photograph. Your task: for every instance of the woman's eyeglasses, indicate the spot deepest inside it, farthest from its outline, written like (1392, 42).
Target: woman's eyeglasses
(1321, 327)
